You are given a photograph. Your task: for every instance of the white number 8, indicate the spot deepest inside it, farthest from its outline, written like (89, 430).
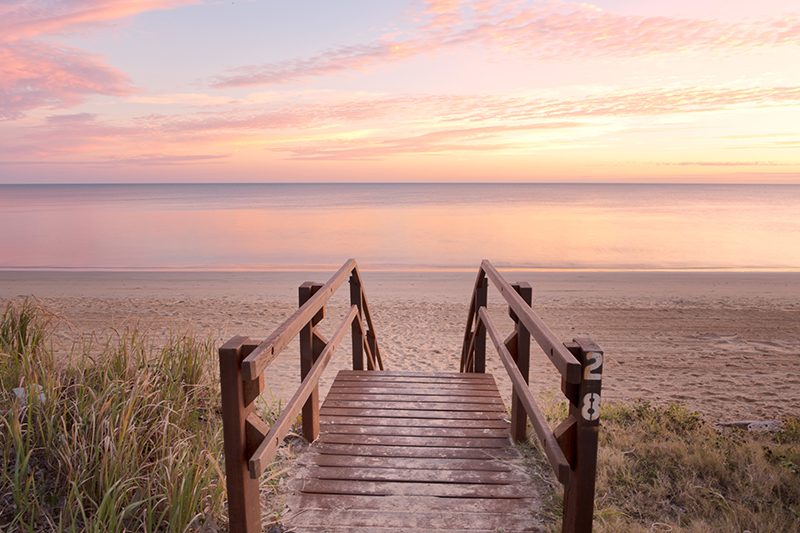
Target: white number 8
(591, 406)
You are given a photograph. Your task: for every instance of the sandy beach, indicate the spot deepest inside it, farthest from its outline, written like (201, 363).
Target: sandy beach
(725, 343)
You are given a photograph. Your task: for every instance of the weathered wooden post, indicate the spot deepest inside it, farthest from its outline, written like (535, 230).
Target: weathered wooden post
(309, 351)
(519, 345)
(356, 298)
(481, 299)
(244, 506)
(578, 436)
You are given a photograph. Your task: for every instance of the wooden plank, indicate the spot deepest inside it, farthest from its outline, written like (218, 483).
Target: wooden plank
(348, 502)
(385, 488)
(455, 392)
(439, 521)
(449, 432)
(461, 380)
(395, 529)
(403, 462)
(483, 477)
(414, 422)
(416, 452)
(390, 377)
(379, 398)
(391, 440)
(413, 405)
(411, 413)
(346, 374)
(380, 381)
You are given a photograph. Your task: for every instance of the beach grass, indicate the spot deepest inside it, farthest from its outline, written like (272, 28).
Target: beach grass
(665, 468)
(125, 434)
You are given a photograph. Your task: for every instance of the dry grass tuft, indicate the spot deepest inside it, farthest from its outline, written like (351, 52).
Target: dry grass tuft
(667, 469)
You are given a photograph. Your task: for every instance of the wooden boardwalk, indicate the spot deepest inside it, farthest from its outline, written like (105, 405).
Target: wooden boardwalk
(412, 451)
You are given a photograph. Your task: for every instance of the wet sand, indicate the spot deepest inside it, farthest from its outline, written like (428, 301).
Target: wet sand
(725, 343)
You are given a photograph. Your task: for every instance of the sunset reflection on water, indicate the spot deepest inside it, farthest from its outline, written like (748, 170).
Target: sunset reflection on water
(399, 226)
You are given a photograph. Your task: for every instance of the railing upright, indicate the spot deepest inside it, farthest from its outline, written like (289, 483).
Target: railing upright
(519, 345)
(309, 352)
(356, 298)
(578, 436)
(244, 505)
(481, 299)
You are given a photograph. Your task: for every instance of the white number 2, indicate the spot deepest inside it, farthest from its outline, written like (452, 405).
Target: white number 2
(595, 359)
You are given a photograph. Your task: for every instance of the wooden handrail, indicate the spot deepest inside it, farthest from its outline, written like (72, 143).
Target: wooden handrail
(250, 443)
(564, 361)
(255, 363)
(553, 451)
(466, 346)
(266, 450)
(369, 334)
(571, 448)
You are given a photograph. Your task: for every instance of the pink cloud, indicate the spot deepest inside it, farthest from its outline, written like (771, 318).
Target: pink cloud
(167, 159)
(727, 163)
(537, 31)
(343, 59)
(27, 19)
(422, 124)
(469, 139)
(36, 73)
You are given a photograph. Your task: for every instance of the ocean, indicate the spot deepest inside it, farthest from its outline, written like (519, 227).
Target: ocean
(399, 226)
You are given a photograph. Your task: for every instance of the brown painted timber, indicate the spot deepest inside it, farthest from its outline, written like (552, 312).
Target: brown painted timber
(394, 454)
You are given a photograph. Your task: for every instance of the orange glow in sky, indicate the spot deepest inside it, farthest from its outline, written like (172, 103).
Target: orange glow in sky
(399, 90)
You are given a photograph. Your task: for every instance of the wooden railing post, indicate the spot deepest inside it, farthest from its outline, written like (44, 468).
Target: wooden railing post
(481, 298)
(578, 436)
(308, 356)
(244, 506)
(522, 353)
(357, 300)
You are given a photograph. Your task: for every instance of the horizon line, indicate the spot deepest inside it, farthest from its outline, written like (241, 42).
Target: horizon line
(405, 183)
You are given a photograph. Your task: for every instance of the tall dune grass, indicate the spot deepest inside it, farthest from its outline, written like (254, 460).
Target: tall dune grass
(127, 438)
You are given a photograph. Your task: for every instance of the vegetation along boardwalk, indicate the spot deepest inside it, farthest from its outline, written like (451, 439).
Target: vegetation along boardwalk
(411, 451)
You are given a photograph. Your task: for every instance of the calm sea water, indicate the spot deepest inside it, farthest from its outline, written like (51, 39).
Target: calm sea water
(297, 226)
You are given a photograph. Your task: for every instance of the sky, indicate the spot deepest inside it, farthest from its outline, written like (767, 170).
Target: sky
(172, 91)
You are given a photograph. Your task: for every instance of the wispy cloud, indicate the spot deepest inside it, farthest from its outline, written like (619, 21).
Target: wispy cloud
(166, 159)
(25, 19)
(489, 138)
(36, 72)
(191, 99)
(379, 127)
(726, 164)
(534, 30)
